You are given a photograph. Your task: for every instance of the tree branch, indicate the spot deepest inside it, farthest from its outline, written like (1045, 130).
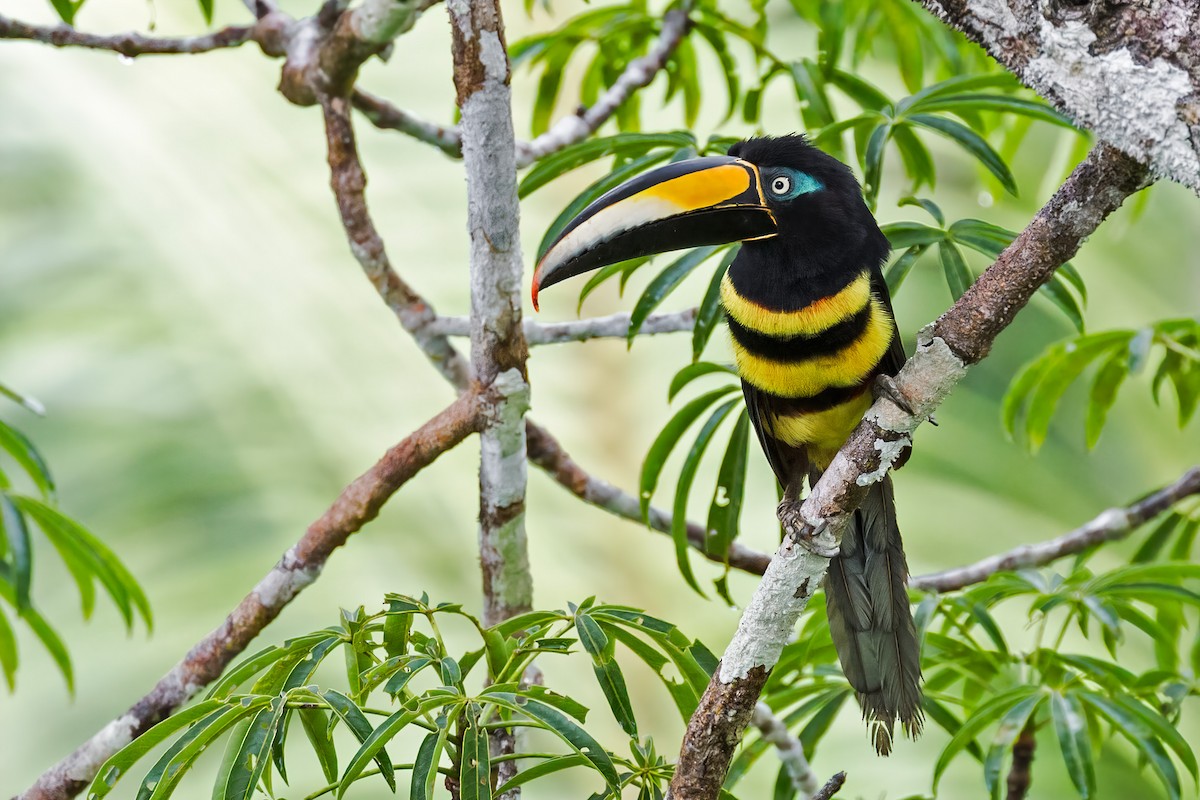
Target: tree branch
(1020, 775)
(498, 349)
(945, 350)
(358, 504)
(1110, 526)
(349, 183)
(613, 326)
(1091, 58)
(831, 787)
(386, 116)
(788, 747)
(130, 44)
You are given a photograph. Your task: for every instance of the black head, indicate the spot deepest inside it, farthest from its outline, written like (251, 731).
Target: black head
(820, 207)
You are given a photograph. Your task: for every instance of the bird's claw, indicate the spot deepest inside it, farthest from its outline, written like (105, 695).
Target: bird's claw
(800, 532)
(885, 386)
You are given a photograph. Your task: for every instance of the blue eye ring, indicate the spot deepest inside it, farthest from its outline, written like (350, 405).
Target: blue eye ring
(785, 183)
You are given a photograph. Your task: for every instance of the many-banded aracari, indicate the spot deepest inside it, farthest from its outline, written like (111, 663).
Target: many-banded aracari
(812, 330)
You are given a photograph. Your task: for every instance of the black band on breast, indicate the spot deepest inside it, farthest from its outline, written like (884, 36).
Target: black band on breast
(794, 349)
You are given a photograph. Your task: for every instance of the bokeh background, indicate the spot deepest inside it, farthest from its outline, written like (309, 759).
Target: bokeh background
(176, 288)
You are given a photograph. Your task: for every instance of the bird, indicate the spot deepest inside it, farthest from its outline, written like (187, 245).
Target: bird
(814, 339)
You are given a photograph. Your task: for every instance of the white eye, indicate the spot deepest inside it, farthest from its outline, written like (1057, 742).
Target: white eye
(781, 184)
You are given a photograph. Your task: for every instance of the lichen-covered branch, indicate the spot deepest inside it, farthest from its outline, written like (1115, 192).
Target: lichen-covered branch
(129, 44)
(945, 350)
(1126, 71)
(788, 747)
(358, 504)
(498, 349)
(831, 787)
(1109, 526)
(1020, 774)
(613, 326)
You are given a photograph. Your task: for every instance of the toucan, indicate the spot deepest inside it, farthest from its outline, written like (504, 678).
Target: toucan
(814, 338)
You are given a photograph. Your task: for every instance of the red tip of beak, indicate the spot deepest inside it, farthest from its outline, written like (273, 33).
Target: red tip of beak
(537, 274)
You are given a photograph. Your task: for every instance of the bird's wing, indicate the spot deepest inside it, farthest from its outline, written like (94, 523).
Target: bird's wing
(789, 464)
(895, 357)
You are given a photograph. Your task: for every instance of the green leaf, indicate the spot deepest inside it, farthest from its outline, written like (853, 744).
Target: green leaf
(708, 314)
(973, 143)
(1104, 392)
(373, 743)
(821, 720)
(252, 665)
(540, 770)
(45, 634)
(693, 371)
(726, 507)
(918, 162)
(908, 234)
(89, 553)
(958, 85)
(562, 726)
(969, 102)
(612, 683)
(316, 727)
(23, 400)
(1011, 725)
(810, 91)
(248, 753)
(958, 275)
(16, 534)
(8, 652)
(665, 283)
(350, 714)
(117, 766)
(66, 10)
(547, 93)
(860, 91)
(1132, 727)
(982, 717)
(627, 145)
(665, 442)
(406, 673)
(425, 765)
(475, 772)
(206, 9)
(1055, 290)
(1070, 726)
(898, 270)
(18, 445)
(873, 160)
(683, 488)
(164, 777)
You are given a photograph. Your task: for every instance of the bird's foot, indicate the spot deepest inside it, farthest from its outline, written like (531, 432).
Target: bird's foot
(885, 386)
(802, 533)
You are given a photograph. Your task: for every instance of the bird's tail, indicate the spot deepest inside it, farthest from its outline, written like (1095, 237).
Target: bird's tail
(870, 621)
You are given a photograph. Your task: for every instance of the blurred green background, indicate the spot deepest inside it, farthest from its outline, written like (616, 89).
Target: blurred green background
(176, 288)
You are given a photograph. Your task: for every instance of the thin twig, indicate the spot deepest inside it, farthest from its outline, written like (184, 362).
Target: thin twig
(613, 326)
(959, 339)
(788, 747)
(129, 44)
(349, 183)
(1109, 526)
(358, 504)
(831, 787)
(386, 116)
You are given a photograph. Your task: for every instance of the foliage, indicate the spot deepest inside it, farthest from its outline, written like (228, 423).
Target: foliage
(85, 557)
(454, 702)
(1038, 388)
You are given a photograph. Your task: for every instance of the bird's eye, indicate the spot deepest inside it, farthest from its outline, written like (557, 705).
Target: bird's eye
(781, 185)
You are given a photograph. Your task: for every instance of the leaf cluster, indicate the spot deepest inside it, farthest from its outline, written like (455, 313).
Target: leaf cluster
(86, 558)
(454, 703)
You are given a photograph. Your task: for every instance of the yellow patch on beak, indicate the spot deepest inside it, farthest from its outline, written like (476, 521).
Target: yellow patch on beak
(701, 189)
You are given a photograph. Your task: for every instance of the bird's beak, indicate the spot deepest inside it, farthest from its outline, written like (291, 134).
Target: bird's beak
(701, 201)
